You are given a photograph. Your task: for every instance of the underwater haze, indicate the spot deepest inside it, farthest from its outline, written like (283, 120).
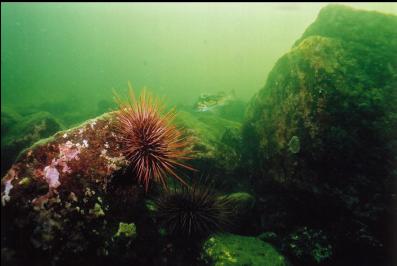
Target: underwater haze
(253, 134)
(73, 52)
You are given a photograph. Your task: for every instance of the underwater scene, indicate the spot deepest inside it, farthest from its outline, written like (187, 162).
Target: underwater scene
(247, 134)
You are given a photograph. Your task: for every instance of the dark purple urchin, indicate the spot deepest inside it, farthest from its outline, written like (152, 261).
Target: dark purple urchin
(194, 211)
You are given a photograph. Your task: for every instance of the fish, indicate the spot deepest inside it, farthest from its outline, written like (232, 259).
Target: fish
(208, 102)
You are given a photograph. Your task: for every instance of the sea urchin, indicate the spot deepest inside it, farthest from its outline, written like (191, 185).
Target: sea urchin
(193, 211)
(150, 142)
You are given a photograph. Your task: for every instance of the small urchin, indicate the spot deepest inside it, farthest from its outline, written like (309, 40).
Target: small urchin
(193, 211)
(154, 146)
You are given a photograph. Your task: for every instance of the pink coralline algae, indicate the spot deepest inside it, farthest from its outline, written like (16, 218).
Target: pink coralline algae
(12, 173)
(51, 175)
(7, 189)
(67, 152)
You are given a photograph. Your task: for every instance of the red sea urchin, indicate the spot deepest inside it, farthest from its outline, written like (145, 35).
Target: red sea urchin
(154, 146)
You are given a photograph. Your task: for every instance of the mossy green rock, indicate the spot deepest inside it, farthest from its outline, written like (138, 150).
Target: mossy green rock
(229, 249)
(335, 92)
(337, 95)
(216, 146)
(243, 202)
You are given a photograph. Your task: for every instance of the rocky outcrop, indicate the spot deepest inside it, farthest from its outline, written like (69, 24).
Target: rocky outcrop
(321, 133)
(73, 195)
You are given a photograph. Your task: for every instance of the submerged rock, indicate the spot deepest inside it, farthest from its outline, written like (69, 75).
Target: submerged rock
(58, 161)
(229, 249)
(217, 149)
(322, 131)
(59, 194)
(72, 194)
(243, 203)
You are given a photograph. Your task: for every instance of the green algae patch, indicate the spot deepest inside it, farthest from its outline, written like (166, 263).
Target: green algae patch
(126, 230)
(25, 182)
(229, 249)
(97, 211)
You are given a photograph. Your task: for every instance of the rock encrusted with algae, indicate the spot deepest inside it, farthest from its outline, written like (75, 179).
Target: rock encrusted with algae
(229, 249)
(321, 133)
(242, 202)
(68, 194)
(59, 192)
(91, 152)
(60, 161)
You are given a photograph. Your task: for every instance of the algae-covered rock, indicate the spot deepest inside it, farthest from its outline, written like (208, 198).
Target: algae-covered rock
(243, 202)
(229, 249)
(320, 136)
(308, 245)
(218, 149)
(371, 28)
(68, 194)
(64, 195)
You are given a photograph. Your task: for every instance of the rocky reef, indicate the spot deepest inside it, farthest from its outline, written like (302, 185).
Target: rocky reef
(320, 137)
(71, 197)
(310, 172)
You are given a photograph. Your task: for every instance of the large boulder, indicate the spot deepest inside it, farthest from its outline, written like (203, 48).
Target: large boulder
(66, 197)
(55, 196)
(320, 137)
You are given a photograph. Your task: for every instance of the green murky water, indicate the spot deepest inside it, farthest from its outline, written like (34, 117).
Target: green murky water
(74, 54)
